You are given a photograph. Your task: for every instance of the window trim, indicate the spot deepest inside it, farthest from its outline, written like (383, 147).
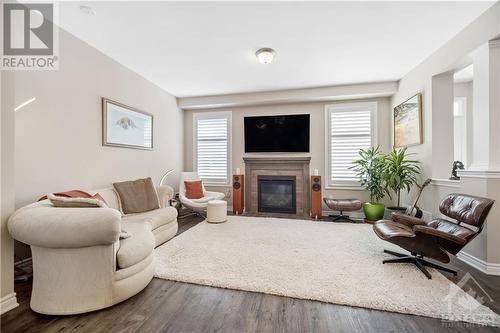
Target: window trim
(373, 106)
(210, 115)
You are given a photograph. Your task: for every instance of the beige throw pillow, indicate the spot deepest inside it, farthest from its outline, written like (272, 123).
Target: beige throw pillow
(137, 196)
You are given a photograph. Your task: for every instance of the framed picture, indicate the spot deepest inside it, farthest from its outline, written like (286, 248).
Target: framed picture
(124, 126)
(408, 122)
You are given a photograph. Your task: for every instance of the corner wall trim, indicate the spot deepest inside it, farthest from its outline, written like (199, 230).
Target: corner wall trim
(494, 43)
(479, 174)
(446, 183)
(8, 303)
(318, 94)
(483, 266)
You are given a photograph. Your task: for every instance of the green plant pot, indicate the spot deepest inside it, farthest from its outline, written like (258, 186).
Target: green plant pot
(373, 211)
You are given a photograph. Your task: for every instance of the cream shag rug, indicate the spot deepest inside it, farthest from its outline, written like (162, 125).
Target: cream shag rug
(338, 263)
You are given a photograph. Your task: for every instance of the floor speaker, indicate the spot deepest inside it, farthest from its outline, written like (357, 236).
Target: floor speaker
(316, 210)
(238, 194)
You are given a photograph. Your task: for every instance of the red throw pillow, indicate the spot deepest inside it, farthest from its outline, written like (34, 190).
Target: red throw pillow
(194, 189)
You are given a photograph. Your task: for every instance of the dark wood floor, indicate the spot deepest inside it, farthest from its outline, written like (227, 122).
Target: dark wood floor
(168, 306)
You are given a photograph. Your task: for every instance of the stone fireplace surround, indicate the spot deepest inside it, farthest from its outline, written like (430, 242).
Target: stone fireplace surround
(277, 166)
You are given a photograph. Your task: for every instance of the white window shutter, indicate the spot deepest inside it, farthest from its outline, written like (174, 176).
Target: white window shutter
(349, 130)
(212, 148)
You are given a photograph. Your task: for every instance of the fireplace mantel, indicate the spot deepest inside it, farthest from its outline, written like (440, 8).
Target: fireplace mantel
(277, 166)
(279, 160)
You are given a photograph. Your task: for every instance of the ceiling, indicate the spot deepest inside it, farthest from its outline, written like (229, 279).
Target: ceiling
(464, 75)
(207, 48)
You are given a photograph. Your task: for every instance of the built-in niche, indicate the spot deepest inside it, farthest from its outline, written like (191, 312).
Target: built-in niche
(463, 82)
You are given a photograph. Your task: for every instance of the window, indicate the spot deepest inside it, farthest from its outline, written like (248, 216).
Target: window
(349, 128)
(212, 142)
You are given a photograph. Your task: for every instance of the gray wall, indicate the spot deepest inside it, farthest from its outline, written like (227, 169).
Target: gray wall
(470, 45)
(317, 143)
(465, 89)
(7, 182)
(58, 137)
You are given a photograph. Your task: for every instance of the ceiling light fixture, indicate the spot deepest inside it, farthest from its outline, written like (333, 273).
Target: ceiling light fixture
(265, 55)
(87, 10)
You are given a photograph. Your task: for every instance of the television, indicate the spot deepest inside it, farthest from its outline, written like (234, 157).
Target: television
(275, 134)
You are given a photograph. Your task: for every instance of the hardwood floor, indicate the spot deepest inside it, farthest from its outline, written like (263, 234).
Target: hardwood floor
(168, 306)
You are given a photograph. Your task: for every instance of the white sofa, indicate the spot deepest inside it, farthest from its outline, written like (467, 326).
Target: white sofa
(79, 262)
(163, 221)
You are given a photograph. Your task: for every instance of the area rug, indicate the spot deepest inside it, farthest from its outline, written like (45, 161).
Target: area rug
(337, 263)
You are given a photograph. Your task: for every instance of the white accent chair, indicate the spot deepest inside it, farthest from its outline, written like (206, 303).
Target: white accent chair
(79, 262)
(199, 206)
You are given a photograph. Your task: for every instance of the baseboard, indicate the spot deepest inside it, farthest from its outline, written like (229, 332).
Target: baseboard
(8, 303)
(481, 265)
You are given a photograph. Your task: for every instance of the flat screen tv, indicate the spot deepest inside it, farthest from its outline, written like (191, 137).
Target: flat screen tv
(277, 134)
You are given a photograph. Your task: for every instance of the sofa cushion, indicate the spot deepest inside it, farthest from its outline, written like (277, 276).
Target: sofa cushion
(137, 247)
(155, 218)
(110, 196)
(137, 196)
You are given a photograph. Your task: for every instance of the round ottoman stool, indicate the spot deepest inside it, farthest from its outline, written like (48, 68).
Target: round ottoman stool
(217, 211)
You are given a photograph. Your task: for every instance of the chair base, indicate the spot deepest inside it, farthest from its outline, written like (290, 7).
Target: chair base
(418, 261)
(341, 217)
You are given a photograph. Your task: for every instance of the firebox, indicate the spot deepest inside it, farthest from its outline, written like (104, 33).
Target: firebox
(276, 194)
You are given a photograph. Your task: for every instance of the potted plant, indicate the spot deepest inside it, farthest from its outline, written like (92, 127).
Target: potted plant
(400, 173)
(369, 169)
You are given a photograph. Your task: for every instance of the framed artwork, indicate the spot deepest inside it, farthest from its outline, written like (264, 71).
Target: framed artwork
(408, 122)
(124, 126)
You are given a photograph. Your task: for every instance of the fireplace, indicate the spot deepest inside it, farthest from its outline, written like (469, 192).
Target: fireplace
(276, 194)
(275, 167)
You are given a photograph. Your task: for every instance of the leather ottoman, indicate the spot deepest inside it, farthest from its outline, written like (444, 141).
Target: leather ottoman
(343, 205)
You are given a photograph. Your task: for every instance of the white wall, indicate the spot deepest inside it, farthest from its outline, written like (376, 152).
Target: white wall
(432, 79)
(465, 89)
(481, 118)
(317, 143)
(58, 137)
(455, 54)
(7, 298)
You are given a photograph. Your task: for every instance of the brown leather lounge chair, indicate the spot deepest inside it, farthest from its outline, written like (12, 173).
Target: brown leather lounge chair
(437, 238)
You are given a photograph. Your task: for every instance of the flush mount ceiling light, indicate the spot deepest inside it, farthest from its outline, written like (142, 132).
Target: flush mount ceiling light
(87, 10)
(265, 55)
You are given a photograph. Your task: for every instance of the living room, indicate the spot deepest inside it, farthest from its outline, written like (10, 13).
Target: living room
(250, 166)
